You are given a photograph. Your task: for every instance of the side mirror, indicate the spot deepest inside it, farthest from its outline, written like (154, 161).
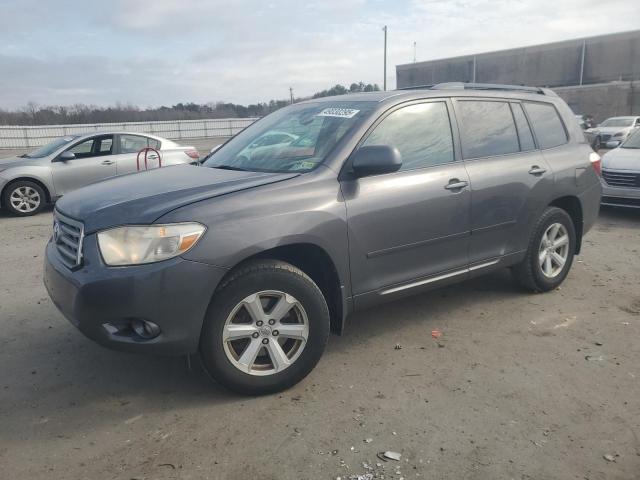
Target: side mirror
(376, 160)
(64, 156)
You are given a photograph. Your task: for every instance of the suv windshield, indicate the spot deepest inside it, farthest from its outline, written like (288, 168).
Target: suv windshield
(617, 122)
(633, 141)
(49, 148)
(294, 139)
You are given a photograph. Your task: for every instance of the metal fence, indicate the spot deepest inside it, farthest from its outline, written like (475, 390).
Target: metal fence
(12, 137)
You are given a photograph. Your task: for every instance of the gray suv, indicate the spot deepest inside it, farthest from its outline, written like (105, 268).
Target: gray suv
(254, 257)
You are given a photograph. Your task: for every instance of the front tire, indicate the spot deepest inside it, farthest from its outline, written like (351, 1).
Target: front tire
(550, 252)
(23, 198)
(266, 328)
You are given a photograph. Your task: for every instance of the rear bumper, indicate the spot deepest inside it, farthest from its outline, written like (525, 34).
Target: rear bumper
(173, 294)
(590, 202)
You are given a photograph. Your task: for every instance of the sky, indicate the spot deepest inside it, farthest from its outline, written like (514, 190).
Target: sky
(161, 52)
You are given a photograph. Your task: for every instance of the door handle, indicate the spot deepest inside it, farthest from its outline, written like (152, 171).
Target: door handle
(536, 170)
(152, 157)
(108, 162)
(455, 184)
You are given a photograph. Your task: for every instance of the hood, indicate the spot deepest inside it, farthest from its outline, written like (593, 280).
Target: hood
(9, 161)
(141, 198)
(622, 159)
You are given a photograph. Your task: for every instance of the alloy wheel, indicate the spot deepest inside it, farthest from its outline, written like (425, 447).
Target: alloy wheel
(554, 250)
(265, 333)
(25, 199)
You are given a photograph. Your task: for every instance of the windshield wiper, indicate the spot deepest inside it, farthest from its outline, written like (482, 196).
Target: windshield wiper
(24, 155)
(229, 167)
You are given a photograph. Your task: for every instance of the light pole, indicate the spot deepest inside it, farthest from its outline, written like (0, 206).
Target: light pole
(384, 82)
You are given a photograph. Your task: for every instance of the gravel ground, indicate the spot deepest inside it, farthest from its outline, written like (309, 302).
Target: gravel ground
(519, 386)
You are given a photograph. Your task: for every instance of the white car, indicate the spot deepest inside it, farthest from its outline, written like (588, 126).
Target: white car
(613, 131)
(42, 176)
(621, 174)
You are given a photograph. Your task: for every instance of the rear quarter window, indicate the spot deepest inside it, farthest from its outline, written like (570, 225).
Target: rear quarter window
(547, 125)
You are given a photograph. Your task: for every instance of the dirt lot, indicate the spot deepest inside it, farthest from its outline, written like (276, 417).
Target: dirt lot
(519, 386)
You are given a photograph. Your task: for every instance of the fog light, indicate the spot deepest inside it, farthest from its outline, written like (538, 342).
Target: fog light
(145, 328)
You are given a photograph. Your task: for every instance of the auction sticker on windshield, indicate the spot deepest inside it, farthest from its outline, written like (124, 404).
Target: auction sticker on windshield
(338, 112)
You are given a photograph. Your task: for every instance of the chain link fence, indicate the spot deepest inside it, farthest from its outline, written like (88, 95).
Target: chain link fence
(16, 137)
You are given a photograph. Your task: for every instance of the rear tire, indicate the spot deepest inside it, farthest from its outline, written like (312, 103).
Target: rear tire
(248, 344)
(23, 198)
(550, 252)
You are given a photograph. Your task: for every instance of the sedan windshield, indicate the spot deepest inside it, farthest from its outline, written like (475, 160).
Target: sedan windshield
(633, 141)
(617, 122)
(294, 139)
(49, 148)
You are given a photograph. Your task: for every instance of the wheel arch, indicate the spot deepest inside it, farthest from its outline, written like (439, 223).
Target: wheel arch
(318, 265)
(571, 204)
(38, 182)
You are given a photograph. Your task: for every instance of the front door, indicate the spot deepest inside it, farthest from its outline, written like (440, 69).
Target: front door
(93, 162)
(414, 223)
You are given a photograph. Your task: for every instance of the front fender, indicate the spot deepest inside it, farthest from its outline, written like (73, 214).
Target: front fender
(40, 174)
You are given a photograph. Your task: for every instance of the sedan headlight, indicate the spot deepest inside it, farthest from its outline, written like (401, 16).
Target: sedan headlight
(619, 134)
(135, 245)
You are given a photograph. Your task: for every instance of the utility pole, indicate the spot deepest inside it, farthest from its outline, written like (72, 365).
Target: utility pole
(414, 52)
(385, 58)
(291, 94)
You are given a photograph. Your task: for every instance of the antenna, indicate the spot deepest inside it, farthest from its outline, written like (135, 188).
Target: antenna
(414, 52)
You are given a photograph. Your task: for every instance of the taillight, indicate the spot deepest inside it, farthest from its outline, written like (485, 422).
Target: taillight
(192, 154)
(596, 162)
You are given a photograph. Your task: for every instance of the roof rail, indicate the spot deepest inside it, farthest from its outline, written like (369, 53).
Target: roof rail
(488, 86)
(480, 86)
(417, 87)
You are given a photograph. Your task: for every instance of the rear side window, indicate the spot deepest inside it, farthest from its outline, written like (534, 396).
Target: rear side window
(524, 132)
(546, 124)
(132, 143)
(487, 129)
(422, 134)
(153, 143)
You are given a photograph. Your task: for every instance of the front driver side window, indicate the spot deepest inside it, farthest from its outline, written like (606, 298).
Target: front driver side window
(83, 149)
(421, 132)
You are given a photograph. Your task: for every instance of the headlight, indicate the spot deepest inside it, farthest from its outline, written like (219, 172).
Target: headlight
(135, 245)
(619, 134)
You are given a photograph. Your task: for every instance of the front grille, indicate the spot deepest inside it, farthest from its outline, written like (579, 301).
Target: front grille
(68, 235)
(621, 179)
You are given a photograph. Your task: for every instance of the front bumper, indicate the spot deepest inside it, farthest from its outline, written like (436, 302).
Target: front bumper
(174, 294)
(620, 196)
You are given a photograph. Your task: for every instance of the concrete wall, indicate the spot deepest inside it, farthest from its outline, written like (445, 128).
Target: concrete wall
(603, 100)
(606, 58)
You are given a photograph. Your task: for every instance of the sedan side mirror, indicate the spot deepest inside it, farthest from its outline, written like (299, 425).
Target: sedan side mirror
(376, 160)
(64, 156)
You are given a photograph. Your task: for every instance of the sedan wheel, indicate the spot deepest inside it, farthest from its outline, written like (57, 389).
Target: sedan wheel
(23, 198)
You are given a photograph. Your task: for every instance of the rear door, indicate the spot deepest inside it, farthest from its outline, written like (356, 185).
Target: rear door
(127, 148)
(412, 224)
(510, 179)
(93, 162)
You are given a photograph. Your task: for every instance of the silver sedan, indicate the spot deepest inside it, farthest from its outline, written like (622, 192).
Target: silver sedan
(621, 174)
(31, 180)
